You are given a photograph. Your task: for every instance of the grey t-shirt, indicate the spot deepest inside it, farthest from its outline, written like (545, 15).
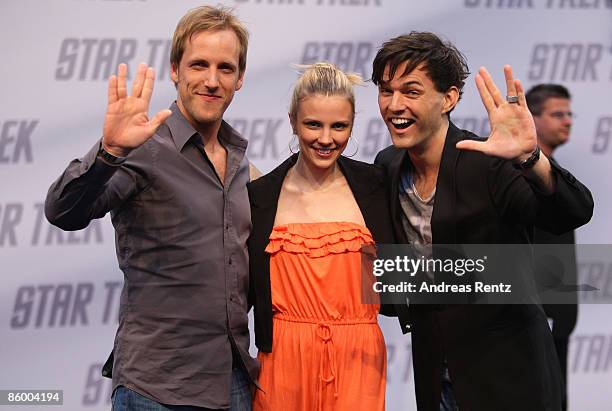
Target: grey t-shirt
(416, 216)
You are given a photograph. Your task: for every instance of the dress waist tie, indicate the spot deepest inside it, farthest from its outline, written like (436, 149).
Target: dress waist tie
(327, 362)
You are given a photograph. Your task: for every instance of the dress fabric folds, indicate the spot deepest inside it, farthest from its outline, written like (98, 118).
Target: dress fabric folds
(328, 350)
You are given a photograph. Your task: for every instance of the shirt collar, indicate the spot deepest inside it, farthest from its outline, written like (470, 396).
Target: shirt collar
(182, 131)
(405, 183)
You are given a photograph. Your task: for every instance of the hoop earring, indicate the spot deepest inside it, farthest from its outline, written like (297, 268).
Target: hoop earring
(356, 146)
(294, 137)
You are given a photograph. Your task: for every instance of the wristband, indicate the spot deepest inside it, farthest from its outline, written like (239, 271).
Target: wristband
(529, 162)
(109, 158)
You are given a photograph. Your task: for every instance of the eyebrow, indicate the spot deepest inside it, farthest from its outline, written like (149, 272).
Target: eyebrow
(406, 84)
(221, 64)
(320, 121)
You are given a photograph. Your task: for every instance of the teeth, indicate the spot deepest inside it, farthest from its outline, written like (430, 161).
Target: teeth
(324, 150)
(401, 123)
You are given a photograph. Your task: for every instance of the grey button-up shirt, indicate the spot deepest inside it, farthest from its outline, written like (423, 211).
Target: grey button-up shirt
(181, 244)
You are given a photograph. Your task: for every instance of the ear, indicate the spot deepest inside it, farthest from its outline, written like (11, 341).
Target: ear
(174, 73)
(451, 97)
(537, 120)
(240, 80)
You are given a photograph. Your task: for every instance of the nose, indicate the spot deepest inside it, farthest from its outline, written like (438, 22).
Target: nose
(567, 120)
(396, 103)
(325, 138)
(212, 79)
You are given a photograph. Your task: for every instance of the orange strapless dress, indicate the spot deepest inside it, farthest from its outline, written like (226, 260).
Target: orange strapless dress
(328, 352)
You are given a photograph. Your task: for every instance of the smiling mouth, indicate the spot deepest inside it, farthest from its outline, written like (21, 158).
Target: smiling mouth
(402, 123)
(209, 96)
(324, 152)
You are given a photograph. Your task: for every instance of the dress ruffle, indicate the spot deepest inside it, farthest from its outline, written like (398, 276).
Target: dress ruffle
(320, 239)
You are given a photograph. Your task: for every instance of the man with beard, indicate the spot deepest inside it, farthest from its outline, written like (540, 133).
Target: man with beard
(449, 187)
(175, 185)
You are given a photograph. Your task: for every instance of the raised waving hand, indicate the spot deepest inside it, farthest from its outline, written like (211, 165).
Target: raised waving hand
(513, 133)
(127, 124)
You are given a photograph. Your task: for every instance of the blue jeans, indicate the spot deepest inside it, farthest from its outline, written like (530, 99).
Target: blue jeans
(125, 399)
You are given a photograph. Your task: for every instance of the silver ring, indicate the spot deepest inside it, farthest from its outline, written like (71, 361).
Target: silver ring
(512, 99)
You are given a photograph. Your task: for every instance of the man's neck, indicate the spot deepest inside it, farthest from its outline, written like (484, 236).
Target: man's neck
(208, 131)
(546, 149)
(427, 157)
(209, 134)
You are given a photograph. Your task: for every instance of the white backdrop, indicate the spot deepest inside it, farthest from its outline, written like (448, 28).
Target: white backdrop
(59, 292)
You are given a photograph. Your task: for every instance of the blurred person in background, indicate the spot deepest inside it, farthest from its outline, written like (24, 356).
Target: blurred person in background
(550, 105)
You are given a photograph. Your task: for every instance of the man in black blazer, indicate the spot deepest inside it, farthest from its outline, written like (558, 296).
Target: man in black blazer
(550, 105)
(447, 186)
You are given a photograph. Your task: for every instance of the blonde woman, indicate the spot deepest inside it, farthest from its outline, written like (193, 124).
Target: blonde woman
(320, 346)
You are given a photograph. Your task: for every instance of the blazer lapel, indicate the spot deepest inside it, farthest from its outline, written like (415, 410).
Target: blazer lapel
(264, 198)
(443, 222)
(361, 185)
(394, 170)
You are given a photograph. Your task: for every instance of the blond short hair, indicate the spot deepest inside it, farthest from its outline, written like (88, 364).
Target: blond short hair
(206, 18)
(324, 79)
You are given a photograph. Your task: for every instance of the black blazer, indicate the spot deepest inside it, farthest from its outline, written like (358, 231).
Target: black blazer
(368, 186)
(564, 315)
(500, 357)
